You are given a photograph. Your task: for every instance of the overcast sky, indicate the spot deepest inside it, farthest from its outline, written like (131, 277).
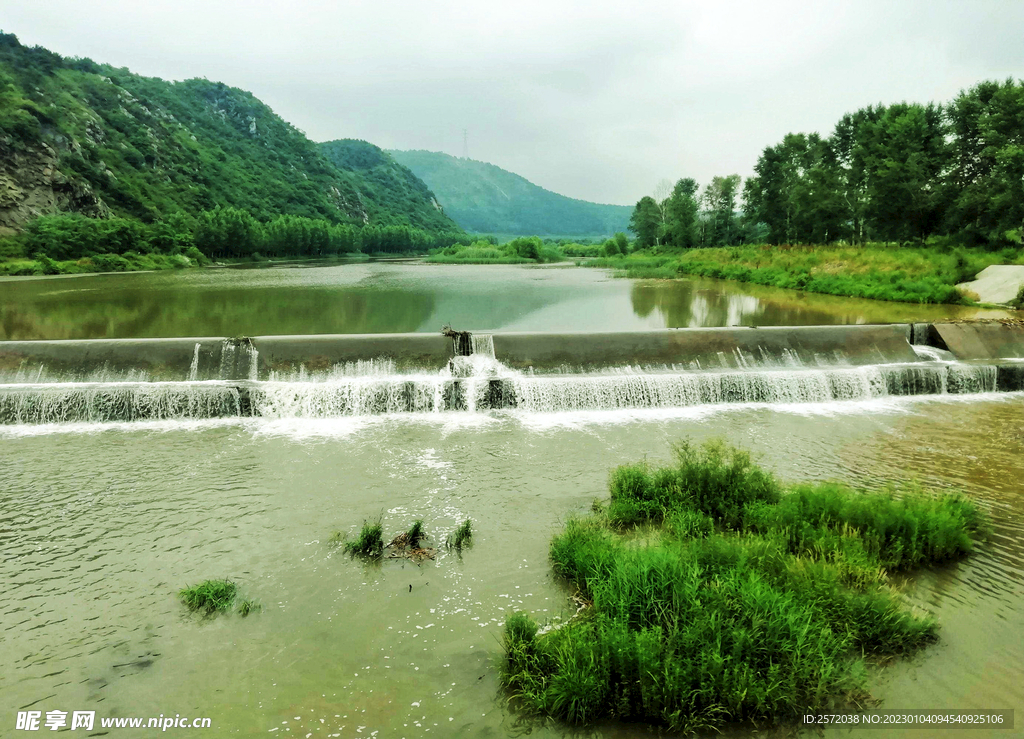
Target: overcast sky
(594, 100)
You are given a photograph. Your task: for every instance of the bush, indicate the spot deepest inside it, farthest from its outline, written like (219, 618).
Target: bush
(197, 256)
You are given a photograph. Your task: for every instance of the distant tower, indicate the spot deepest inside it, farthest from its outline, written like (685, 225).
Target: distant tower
(465, 143)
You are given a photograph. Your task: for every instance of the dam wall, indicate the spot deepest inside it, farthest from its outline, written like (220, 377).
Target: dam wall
(270, 357)
(205, 358)
(710, 348)
(981, 340)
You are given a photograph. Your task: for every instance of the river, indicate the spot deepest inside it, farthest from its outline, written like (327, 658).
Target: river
(102, 523)
(398, 297)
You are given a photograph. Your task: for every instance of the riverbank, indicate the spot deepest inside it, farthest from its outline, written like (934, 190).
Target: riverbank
(133, 262)
(98, 263)
(905, 274)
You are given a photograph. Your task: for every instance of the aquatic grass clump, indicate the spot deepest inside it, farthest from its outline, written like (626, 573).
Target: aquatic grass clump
(714, 479)
(210, 596)
(734, 601)
(370, 542)
(414, 534)
(248, 606)
(894, 531)
(461, 537)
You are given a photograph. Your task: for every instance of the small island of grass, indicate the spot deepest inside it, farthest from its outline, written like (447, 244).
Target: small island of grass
(710, 594)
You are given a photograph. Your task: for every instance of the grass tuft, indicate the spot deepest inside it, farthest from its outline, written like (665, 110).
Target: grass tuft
(248, 606)
(414, 535)
(209, 597)
(370, 542)
(461, 537)
(736, 601)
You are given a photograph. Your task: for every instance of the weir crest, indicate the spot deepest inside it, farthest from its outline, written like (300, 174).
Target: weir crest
(297, 377)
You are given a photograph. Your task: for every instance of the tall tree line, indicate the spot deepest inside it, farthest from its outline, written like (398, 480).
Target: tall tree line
(899, 173)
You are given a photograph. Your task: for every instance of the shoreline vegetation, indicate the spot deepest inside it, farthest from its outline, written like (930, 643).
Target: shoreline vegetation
(877, 271)
(708, 593)
(908, 274)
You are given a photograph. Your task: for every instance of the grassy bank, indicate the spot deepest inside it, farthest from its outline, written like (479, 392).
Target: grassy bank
(526, 250)
(129, 262)
(711, 594)
(905, 274)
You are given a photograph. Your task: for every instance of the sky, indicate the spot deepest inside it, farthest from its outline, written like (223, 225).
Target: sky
(595, 100)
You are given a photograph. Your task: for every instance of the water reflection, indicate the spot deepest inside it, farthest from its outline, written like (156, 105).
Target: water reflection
(393, 298)
(699, 302)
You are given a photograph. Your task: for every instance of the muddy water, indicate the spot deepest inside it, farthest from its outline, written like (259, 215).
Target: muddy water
(101, 525)
(391, 298)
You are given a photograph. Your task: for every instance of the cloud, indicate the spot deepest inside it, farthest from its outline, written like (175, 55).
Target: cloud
(596, 100)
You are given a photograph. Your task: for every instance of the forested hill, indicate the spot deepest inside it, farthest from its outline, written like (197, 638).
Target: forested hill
(386, 182)
(81, 137)
(484, 198)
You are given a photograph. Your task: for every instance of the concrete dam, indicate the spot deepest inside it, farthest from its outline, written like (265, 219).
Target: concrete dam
(323, 376)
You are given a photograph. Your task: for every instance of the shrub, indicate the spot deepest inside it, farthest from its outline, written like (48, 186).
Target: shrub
(197, 256)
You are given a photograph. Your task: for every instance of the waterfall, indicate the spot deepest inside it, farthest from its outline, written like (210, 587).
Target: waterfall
(193, 370)
(567, 393)
(478, 383)
(100, 402)
(254, 363)
(483, 344)
(227, 360)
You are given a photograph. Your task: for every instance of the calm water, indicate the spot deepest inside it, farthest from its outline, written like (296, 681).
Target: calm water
(390, 298)
(102, 524)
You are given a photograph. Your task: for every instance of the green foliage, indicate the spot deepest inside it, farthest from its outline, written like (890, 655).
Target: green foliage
(388, 187)
(715, 480)
(414, 534)
(483, 198)
(746, 604)
(209, 596)
(461, 537)
(370, 542)
(896, 532)
(523, 250)
(645, 223)
(248, 606)
(907, 274)
(152, 150)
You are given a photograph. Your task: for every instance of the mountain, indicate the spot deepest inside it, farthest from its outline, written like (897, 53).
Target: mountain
(484, 198)
(386, 183)
(81, 137)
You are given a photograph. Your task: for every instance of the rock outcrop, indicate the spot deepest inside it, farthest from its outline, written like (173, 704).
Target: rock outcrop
(31, 185)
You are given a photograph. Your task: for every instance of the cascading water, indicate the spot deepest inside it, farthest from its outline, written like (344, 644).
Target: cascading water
(124, 401)
(477, 383)
(193, 370)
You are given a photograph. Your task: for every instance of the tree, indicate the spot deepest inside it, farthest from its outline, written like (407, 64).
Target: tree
(719, 200)
(681, 211)
(645, 222)
(904, 158)
(986, 181)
